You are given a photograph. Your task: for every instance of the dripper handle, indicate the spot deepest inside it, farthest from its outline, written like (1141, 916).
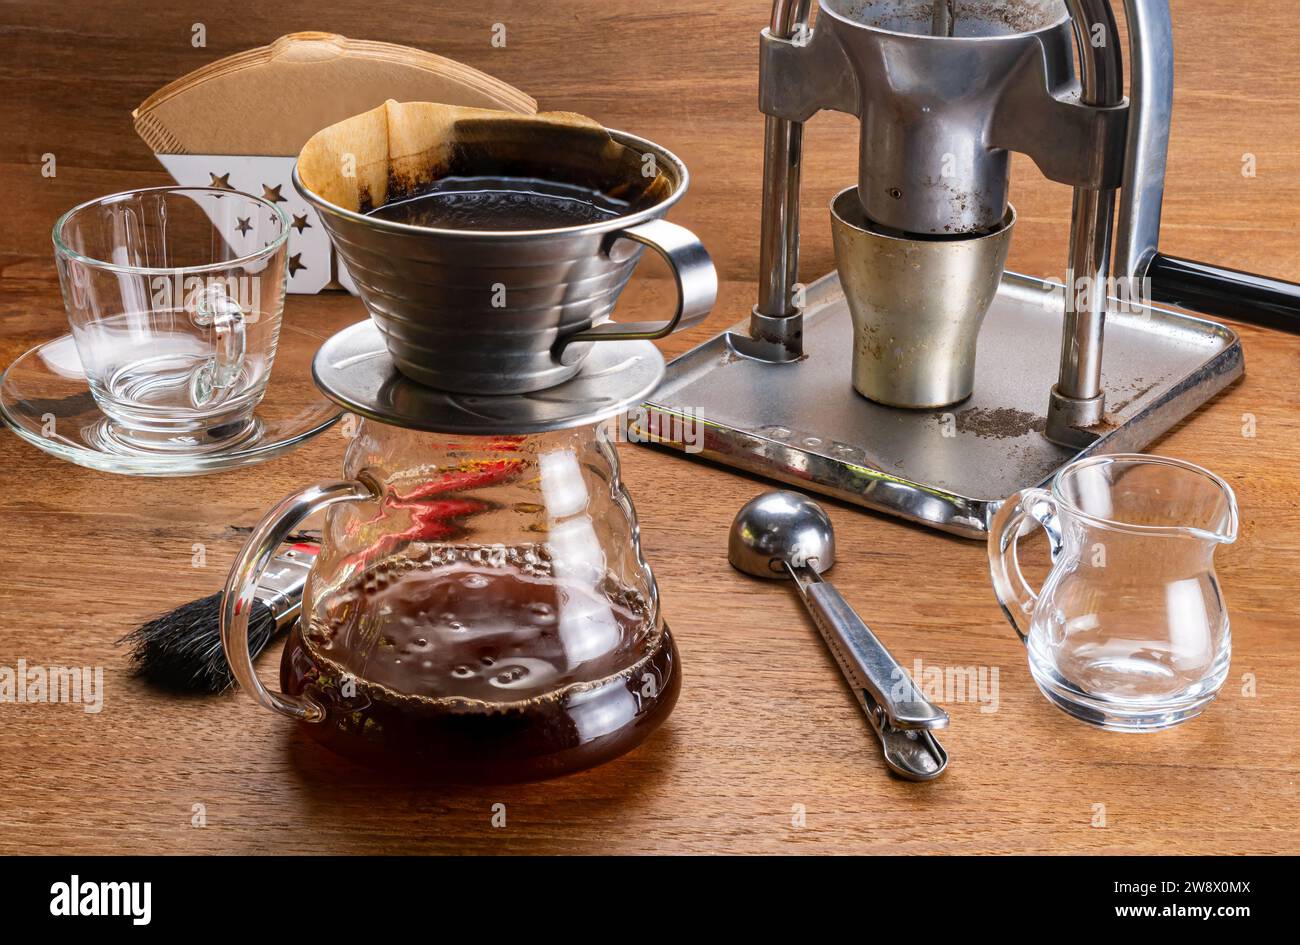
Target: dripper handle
(1014, 594)
(241, 585)
(697, 283)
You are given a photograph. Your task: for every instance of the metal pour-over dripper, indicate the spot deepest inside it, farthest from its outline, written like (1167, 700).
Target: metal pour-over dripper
(487, 311)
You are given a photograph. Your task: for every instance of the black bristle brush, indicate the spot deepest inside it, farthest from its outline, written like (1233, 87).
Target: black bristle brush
(181, 650)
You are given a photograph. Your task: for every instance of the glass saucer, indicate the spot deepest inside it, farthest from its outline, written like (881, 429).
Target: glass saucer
(45, 400)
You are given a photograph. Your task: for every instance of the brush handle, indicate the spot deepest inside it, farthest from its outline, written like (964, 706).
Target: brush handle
(245, 573)
(281, 585)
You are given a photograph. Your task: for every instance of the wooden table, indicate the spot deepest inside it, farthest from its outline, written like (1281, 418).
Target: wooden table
(764, 730)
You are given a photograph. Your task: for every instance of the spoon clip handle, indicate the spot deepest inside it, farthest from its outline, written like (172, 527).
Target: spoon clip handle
(900, 715)
(914, 754)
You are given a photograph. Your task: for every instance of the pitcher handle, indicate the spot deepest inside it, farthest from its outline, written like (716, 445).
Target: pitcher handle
(697, 283)
(237, 603)
(1014, 594)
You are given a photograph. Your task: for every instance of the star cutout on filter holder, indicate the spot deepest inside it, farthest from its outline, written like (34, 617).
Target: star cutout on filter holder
(272, 193)
(221, 182)
(296, 263)
(243, 226)
(300, 223)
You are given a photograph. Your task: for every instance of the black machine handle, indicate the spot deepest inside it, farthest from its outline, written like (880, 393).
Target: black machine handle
(1228, 293)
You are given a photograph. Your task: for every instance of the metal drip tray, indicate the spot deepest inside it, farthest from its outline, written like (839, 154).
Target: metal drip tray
(802, 423)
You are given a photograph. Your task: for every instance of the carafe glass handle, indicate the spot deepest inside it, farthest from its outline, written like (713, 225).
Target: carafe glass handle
(241, 586)
(1017, 598)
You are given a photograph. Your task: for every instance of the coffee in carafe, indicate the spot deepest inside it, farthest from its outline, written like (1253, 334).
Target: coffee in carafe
(486, 667)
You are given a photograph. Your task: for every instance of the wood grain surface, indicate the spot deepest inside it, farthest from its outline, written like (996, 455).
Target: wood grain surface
(764, 727)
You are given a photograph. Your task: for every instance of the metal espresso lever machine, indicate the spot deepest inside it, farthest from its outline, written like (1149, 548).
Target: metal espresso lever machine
(866, 384)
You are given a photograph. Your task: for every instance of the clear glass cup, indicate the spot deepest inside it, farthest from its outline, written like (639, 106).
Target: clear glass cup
(1130, 630)
(174, 296)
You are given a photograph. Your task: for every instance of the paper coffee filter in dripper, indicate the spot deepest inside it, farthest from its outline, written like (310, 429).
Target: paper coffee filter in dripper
(400, 148)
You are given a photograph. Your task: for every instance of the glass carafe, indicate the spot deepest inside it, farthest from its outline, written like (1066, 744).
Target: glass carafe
(480, 606)
(1130, 630)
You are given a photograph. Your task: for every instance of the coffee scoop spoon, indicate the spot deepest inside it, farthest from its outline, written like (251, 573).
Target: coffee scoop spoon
(787, 535)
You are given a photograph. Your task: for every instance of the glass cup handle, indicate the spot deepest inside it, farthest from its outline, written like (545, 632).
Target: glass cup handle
(1014, 594)
(697, 283)
(216, 310)
(241, 586)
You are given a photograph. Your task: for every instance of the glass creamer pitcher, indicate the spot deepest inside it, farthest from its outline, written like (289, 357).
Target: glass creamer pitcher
(1129, 631)
(480, 606)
